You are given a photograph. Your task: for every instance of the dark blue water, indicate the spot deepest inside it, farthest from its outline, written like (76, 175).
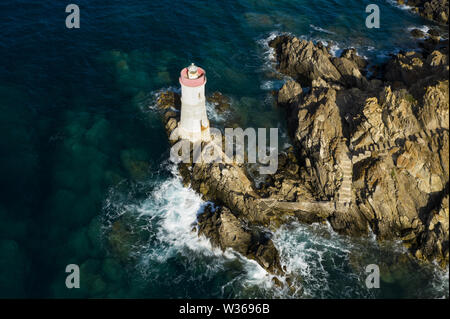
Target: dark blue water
(83, 165)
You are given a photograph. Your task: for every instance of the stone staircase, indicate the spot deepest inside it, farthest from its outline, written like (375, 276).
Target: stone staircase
(366, 151)
(361, 156)
(347, 160)
(345, 191)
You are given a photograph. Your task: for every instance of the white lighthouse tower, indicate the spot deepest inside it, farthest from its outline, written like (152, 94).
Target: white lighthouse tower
(194, 124)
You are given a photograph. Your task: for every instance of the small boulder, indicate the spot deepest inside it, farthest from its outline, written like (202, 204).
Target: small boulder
(221, 102)
(418, 34)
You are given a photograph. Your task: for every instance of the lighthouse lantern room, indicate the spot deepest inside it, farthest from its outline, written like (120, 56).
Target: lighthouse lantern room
(194, 124)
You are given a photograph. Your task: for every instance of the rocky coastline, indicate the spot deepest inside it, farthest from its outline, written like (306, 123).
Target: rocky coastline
(370, 154)
(394, 128)
(435, 10)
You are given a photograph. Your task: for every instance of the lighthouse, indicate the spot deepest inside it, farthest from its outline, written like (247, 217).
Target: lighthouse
(194, 124)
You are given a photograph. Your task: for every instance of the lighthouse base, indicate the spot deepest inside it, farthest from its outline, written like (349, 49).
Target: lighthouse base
(202, 135)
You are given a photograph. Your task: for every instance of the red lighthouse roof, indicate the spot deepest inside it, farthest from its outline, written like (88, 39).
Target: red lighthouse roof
(186, 80)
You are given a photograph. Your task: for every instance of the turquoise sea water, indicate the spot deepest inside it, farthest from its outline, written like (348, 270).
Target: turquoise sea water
(83, 166)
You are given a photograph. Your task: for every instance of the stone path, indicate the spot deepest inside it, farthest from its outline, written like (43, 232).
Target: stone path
(345, 191)
(366, 151)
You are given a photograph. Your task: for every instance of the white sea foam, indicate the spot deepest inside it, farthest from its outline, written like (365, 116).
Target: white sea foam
(440, 282)
(171, 212)
(178, 208)
(400, 6)
(312, 26)
(269, 66)
(423, 28)
(335, 50)
(307, 252)
(270, 85)
(269, 54)
(212, 113)
(317, 261)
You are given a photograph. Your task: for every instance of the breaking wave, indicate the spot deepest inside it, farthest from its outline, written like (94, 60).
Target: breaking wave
(318, 262)
(169, 215)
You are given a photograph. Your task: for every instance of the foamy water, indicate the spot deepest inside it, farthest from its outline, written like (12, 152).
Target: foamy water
(318, 263)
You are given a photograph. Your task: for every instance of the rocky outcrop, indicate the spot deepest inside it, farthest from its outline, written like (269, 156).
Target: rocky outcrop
(408, 68)
(225, 230)
(436, 10)
(378, 149)
(289, 93)
(408, 166)
(233, 224)
(368, 154)
(221, 102)
(306, 62)
(432, 242)
(246, 212)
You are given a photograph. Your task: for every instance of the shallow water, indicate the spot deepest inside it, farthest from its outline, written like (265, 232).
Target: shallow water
(85, 177)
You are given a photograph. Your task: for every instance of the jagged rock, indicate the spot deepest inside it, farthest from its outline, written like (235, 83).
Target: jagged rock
(436, 10)
(397, 134)
(437, 59)
(406, 67)
(304, 61)
(289, 93)
(433, 241)
(221, 102)
(320, 137)
(353, 56)
(307, 62)
(416, 33)
(350, 74)
(434, 111)
(168, 100)
(226, 231)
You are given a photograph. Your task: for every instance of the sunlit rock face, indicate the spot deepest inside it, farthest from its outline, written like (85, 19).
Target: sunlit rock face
(396, 130)
(436, 10)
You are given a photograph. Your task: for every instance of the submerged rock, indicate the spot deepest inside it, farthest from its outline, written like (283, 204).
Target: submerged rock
(416, 33)
(221, 102)
(136, 163)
